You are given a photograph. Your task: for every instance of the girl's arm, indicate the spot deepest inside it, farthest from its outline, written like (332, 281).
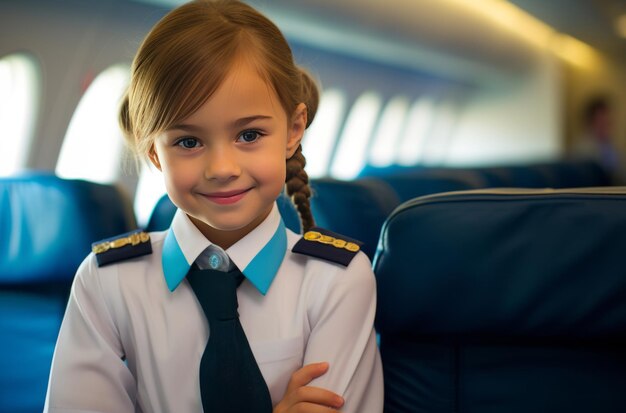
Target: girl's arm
(88, 372)
(342, 334)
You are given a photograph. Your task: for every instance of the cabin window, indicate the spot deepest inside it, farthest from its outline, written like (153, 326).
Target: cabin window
(438, 142)
(150, 188)
(382, 152)
(19, 92)
(319, 140)
(418, 127)
(93, 145)
(351, 151)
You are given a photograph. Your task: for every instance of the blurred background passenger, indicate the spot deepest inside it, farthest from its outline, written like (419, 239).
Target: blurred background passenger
(597, 141)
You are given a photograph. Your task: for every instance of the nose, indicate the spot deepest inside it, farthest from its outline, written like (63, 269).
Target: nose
(222, 163)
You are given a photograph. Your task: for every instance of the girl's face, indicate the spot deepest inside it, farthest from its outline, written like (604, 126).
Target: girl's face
(225, 164)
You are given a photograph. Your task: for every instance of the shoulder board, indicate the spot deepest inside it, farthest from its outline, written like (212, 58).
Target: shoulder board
(325, 244)
(122, 247)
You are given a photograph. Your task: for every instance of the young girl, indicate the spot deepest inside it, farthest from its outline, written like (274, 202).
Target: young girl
(217, 105)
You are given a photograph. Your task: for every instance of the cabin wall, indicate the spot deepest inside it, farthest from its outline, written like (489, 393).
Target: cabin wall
(514, 122)
(512, 104)
(79, 40)
(511, 99)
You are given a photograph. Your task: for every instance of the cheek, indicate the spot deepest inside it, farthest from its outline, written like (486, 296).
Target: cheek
(178, 177)
(271, 170)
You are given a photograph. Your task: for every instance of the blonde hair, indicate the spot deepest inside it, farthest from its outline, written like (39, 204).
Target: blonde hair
(187, 55)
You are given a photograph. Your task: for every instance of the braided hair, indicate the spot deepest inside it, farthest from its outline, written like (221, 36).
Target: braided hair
(297, 180)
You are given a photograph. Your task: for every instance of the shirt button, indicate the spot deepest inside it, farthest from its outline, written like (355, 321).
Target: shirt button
(215, 261)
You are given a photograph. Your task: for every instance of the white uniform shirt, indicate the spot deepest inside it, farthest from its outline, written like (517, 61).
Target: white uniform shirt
(133, 333)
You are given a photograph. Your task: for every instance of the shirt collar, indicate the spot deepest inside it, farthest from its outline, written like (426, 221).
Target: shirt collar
(260, 253)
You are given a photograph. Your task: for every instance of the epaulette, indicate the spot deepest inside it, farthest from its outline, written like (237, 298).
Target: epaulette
(325, 244)
(122, 247)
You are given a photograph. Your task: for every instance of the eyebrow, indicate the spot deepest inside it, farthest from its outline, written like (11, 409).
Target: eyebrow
(249, 119)
(236, 124)
(186, 127)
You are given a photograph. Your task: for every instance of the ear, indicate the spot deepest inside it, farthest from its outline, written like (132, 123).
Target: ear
(154, 157)
(297, 126)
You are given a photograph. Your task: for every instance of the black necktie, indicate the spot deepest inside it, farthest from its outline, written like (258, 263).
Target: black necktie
(230, 379)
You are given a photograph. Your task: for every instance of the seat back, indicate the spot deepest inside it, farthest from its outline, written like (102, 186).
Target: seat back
(504, 301)
(575, 173)
(410, 182)
(47, 225)
(431, 181)
(353, 208)
(162, 214)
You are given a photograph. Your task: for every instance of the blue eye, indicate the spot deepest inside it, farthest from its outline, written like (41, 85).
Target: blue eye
(249, 136)
(188, 143)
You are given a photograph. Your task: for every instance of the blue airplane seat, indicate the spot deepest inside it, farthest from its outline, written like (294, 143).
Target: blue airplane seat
(494, 301)
(576, 173)
(354, 208)
(370, 171)
(516, 176)
(47, 225)
(164, 211)
(162, 214)
(430, 181)
(563, 173)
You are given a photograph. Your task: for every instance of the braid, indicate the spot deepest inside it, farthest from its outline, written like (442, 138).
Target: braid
(298, 188)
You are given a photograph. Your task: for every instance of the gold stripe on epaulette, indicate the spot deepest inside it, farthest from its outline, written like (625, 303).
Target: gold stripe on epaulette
(133, 239)
(335, 242)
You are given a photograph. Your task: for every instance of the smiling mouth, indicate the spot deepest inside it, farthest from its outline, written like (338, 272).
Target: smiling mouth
(227, 197)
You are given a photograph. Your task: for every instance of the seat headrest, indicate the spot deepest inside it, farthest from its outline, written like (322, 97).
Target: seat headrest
(353, 208)
(534, 263)
(47, 225)
(432, 181)
(162, 214)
